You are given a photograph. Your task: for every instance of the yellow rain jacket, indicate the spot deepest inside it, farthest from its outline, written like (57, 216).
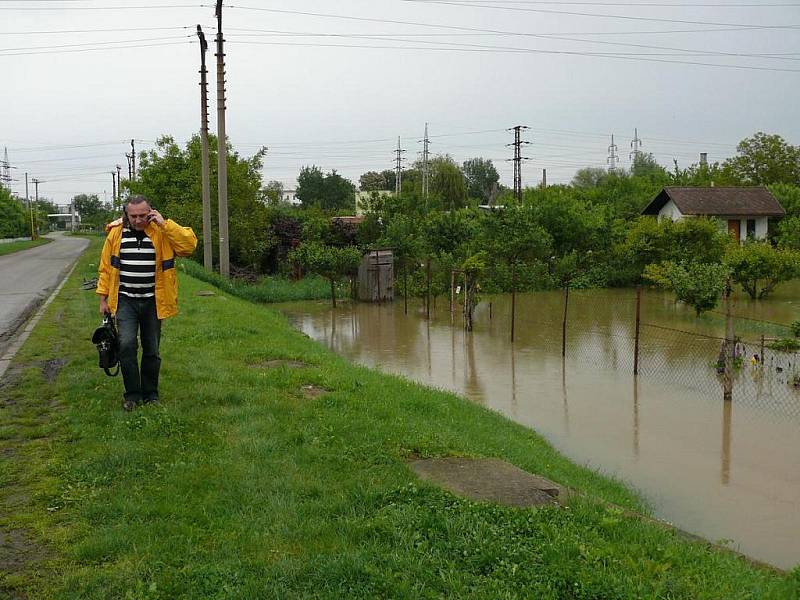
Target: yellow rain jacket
(170, 240)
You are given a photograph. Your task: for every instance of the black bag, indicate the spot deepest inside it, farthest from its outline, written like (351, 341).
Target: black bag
(106, 339)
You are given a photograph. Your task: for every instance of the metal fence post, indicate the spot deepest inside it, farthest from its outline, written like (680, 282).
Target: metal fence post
(730, 347)
(636, 339)
(564, 324)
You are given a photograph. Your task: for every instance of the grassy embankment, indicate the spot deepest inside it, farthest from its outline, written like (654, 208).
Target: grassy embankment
(268, 289)
(12, 247)
(240, 486)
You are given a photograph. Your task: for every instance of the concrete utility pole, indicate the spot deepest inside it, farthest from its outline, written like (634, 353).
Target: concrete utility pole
(425, 174)
(36, 183)
(636, 144)
(133, 161)
(208, 257)
(130, 171)
(30, 208)
(398, 186)
(222, 168)
(544, 178)
(119, 183)
(612, 156)
(114, 189)
(518, 158)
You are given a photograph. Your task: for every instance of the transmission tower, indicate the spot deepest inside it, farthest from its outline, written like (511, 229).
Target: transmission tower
(613, 157)
(398, 168)
(425, 173)
(5, 172)
(636, 144)
(518, 158)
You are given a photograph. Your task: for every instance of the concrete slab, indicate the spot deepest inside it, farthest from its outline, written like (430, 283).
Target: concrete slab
(489, 480)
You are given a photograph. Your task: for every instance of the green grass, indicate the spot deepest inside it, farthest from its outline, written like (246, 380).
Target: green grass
(12, 247)
(238, 486)
(268, 289)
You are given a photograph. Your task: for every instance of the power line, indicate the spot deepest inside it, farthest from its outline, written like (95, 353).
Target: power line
(598, 15)
(635, 4)
(53, 47)
(639, 58)
(106, 48)
(681, 51)
(85, 8)
(112, 30)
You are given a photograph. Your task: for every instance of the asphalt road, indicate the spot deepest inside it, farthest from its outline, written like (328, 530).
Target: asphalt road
(27, 277)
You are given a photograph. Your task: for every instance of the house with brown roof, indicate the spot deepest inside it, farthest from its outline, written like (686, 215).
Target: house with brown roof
(743, 211)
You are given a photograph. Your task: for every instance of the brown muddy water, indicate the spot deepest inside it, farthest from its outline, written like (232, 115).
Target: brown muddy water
(727, 471)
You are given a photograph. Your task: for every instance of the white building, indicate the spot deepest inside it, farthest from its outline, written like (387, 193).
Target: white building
(290, 197)
(743, 211)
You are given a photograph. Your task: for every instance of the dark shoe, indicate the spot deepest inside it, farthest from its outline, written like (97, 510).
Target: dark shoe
(151, 401)
(128, 405)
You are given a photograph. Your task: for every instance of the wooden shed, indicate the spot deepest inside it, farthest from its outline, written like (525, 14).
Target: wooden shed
(376, 277)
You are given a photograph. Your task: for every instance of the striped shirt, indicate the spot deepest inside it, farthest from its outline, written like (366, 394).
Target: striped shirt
(137, 272)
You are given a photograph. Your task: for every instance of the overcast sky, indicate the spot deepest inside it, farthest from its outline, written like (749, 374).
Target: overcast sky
(334, 83)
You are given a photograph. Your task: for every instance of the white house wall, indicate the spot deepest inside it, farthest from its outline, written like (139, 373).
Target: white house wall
(670, 211)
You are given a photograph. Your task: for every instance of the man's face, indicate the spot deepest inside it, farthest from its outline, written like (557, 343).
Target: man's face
(137, 215)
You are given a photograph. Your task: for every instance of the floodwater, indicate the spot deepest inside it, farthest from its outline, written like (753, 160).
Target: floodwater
(727, 471)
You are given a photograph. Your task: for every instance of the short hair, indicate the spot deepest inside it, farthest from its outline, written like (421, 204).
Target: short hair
(137, 200)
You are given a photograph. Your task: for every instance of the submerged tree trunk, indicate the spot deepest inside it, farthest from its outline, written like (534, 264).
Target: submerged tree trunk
(333, 292)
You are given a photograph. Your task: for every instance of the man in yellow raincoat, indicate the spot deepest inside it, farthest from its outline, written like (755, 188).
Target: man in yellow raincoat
(138, 284)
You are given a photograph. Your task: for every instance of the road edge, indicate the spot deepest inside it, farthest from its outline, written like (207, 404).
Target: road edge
(19, 338)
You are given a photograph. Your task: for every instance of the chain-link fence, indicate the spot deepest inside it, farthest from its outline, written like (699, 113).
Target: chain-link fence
(761, 377)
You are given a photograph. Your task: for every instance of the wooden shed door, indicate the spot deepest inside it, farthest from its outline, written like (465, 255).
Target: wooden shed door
(735, 229)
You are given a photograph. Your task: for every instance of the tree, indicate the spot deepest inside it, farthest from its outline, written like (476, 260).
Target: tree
(273, 192)
(645, 165)
(481, 178)
(759, 267)
(589, 177)
(402, 237)
(699, 285)
(765, 159)
(327, 261)
(171, 178)
(13, 216)
(310, 186)
(447, 183)
(328, 192)
(92, 211)
(372, 181)
(338, 192)
(513, 235)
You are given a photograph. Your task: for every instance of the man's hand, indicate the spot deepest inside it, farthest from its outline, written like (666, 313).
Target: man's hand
(155, 217)
(104, 305)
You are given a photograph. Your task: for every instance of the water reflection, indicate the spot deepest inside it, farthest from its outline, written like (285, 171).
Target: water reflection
(656, 431)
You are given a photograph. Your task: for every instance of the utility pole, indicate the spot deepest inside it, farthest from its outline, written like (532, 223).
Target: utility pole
(518, 158)
(636, 144)
(612, 156)
(133, 161)
(119, 183)
(30, 208)
(114, 190)
(222, 164)
(36, 183)
(130, 171)
(398, 187)
(544, 179)
(425, 175)
(208, 258)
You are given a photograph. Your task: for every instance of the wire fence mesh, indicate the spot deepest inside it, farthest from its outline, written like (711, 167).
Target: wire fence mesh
(763, 378)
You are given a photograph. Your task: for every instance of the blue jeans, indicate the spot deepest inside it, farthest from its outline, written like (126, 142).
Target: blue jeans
(134, 316)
